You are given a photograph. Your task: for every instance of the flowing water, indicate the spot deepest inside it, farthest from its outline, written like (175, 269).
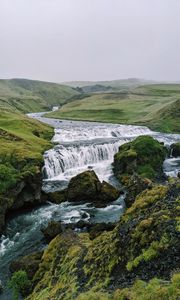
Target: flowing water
(78, 146)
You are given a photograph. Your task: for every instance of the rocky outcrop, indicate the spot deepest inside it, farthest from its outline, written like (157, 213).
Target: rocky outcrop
(26, 193)
(56, 197)
(134, 186)
(52, 230)
(144, 244)
(143, 156)
(29, 263)
(175, 149)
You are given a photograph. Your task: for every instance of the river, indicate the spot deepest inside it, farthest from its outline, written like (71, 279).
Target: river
(78, 146)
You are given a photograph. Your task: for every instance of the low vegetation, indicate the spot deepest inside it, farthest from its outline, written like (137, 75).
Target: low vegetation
(157, 106)
(32, 95)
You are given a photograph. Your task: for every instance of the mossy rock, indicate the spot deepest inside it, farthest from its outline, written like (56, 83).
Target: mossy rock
(57, 197)
(29, 264)
(83, 187)
(143, 156)
(175, 149)
(52, 230)
(108, 193)
(144, 244)
(135, 185)
(87, 187)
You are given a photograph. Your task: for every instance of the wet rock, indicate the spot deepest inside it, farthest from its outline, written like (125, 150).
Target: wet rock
(57, 197)
(108, 193)
(144, 156)
(29, 263)
(175, 149)
(84, 187)
(87, 187)
(26, 193)
(135, 186)
(96, 229)
(1, 287)
(52, 230)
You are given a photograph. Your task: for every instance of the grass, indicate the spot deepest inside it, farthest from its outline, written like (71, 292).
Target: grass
(157, 106)
(32, 96)
(23, 142)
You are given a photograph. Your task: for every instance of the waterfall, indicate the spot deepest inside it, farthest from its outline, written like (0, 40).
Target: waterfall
(63, 158)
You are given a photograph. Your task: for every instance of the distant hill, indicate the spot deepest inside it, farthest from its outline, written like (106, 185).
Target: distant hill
(114, 84)
(157, 106)
(30, 95)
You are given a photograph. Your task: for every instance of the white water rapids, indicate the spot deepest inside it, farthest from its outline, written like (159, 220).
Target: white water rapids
(78, 146)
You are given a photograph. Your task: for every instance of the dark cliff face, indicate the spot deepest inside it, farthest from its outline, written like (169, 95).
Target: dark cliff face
(26, 193)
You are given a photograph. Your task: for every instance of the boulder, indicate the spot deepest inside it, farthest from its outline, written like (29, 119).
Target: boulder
(57, 197)
(144, 156)
(29, 263)
(175, 149)
(84, 187)
(87, 187)
(108, 193)
(52, 230)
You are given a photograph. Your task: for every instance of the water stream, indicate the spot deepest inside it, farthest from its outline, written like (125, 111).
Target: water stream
(78, 146)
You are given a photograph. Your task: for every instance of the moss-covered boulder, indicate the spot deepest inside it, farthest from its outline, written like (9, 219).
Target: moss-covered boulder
(87, 187)
(108, 193)
(29, 264)
(52, 230)
(143, 156)
(83, 187)
(56, 197)
(175, 149)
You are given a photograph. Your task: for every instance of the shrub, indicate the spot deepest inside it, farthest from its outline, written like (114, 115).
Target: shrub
(19, 283)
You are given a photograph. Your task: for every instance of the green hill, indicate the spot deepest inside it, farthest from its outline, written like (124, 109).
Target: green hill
(157, 106)
(30, 95)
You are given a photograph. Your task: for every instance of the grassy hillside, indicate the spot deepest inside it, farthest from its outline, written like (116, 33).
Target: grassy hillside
(23, 141)
(31, 96)
(157, 106)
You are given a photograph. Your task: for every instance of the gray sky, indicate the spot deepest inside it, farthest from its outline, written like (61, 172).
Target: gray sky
(63, 40)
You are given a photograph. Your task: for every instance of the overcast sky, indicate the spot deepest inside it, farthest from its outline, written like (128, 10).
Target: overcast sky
(64, 40)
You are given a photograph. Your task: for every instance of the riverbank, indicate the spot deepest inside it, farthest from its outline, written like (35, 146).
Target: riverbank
(23, 142)
(78, 146)
(155, 106)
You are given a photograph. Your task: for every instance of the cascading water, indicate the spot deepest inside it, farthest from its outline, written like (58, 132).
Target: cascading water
(79, 146)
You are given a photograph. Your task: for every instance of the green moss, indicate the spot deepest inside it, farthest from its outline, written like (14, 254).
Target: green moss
(147, 198)
(154, 289)
(143, 156)
(150, 253)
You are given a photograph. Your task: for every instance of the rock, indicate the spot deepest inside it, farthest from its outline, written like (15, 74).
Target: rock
(1, 287)
(26, 193)
(83, 187)
(144, 156)
(52, 230)
(57, 197)
(108, 193)
(87, 187)
(175, 148)
(29, 263)
(82, 224)
(96, 229)
(135, 186)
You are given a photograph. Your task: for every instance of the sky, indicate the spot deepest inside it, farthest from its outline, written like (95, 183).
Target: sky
(68, 40)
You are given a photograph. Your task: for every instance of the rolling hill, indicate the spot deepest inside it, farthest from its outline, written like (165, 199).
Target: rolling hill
(157, 106)
(30, 95)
